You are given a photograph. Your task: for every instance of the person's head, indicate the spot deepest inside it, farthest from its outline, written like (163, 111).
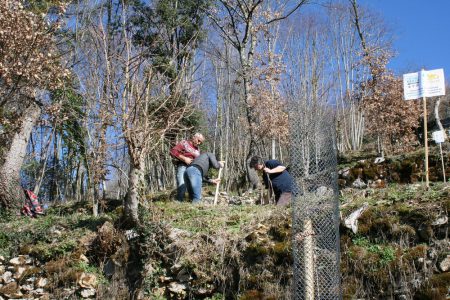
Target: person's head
(197, 139)
(256, 163)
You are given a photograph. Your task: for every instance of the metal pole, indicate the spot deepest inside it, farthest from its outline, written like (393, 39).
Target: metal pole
(425, 133)
(442, 161)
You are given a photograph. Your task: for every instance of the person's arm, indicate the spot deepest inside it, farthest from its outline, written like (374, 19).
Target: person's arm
(177, 151)
(213, 161)
(278, 169)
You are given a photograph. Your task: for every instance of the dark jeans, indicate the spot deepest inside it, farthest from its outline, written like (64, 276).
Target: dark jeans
(284, 199)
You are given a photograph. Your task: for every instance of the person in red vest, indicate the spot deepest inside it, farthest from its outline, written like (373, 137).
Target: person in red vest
(184, 153)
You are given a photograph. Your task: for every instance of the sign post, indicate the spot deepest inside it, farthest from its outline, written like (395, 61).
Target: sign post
(425, 137)
(421, 85)
(439, 138)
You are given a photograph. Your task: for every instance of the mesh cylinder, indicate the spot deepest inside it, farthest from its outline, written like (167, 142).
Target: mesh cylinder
(315, 230)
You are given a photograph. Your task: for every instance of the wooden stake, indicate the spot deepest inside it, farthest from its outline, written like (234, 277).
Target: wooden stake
(216, 195)
(308, 257)
(425, 133)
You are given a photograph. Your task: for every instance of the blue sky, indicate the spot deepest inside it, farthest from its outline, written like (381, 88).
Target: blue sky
(421, 32)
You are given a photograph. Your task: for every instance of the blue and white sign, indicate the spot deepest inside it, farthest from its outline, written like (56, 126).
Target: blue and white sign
(424, 84)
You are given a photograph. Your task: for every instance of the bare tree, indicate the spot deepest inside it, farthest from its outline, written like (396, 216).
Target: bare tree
(240, 22)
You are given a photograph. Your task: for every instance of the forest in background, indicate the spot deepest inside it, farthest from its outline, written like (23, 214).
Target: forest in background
(94, 93)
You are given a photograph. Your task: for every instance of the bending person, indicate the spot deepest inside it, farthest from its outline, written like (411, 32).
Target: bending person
(197, 172)
(275, 175)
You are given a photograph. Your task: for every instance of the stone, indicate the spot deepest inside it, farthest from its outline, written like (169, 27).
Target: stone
(19, 272)
(131, 234)
(176, 234)
(379, 160)
(440, 221)
(323, 191)
(16, 261)
(345, 172)
(87, 293)
(177, 288)
(359, 184)
(351, 221)
(87, 280)
(11, 290)
(41, 282)
(27, 287)
(444, 264)
(184, 276)
(176, 268)
(109, 268)
(6, 277)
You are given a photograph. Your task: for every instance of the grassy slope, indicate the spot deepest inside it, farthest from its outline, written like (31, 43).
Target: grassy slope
(387, 254)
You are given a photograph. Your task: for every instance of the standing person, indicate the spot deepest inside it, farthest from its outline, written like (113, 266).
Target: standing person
(197, 172)
(185, 152)
(276, 176)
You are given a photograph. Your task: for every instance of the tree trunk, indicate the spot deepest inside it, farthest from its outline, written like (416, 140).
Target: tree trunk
(135, 189)
(10, 190)
(436, 116)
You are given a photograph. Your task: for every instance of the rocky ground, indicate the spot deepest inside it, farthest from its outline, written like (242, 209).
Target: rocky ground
(394, 245)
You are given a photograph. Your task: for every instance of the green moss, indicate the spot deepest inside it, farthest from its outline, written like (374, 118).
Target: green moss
(282, 252)
(255, 253)
(281, 233)
(413, 254)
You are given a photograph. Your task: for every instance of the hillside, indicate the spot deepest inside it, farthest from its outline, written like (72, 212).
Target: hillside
(235, 251)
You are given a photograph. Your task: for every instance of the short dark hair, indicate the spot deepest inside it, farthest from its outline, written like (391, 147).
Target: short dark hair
(256, 160)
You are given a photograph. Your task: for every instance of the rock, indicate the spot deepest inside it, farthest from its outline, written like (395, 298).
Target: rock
(379, 160)
(11, 290)
(87, 280)
(176, 268)
(2, 269)
(16, 261)
(351, 221)
(444, 265)
(31, 279)
(323, 191)
(41, 282)
(109, 268)
(44, 296)
(19, 272)
(440, 221)
(176, 234)
(359, 184)
(184, 276)
(163, 279)
(177, 288)
(6, 277)
(27, 287)
(345, 173)
(131, 234)
(87, 293)
(2, 259)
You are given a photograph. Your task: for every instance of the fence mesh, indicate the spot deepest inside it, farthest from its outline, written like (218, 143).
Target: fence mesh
(315, 204)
